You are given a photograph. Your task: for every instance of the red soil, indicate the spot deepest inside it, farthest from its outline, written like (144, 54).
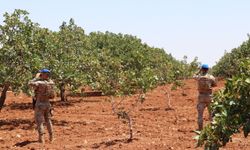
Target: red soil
(88, 123)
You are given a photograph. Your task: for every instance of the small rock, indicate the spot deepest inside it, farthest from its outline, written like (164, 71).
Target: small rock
(18, 135)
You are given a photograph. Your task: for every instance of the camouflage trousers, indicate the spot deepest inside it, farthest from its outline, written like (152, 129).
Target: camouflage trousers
(43, 115)
(204, 101)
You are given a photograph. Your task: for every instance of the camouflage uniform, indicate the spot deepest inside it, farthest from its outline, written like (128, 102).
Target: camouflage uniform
(205, 84)
(43, 92)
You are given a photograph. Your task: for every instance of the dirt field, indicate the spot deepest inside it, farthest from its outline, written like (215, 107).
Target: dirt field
(88, 123)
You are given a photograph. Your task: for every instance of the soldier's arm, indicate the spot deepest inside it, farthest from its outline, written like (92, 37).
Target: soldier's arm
(214, 82)
(196, 76)
(33, 82)
(50, 82)
(36, 82)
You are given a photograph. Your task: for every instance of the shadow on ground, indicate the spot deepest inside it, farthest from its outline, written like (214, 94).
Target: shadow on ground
(57, 103)
(11, 124)
(24, 143)
(29, 124)
(112, 142)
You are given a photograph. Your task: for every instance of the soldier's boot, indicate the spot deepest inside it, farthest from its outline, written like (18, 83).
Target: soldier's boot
(41, 139)
(200, 127)
(51, 138)
(200, 122)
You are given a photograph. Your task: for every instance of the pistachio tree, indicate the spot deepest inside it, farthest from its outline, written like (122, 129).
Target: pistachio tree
(67, 60)
(16, 38)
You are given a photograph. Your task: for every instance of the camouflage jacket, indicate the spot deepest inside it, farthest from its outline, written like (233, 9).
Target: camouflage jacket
(43, 89)
(205, 83)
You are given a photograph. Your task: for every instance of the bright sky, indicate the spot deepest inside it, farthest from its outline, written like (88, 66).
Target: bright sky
(182, 27)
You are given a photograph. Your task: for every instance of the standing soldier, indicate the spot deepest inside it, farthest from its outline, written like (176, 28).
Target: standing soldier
(43, 88)
(205, 83)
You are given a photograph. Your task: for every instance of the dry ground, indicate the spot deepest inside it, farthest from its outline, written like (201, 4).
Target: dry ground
(88, 123)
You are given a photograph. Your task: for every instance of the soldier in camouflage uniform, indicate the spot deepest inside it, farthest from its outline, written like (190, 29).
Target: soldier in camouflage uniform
(43, 88)
(205, 83)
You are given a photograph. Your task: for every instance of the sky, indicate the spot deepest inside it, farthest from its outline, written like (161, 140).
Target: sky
(192, 28)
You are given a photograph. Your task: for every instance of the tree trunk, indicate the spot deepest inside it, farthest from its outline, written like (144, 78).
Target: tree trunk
(130, 129)
(62, 92)
(3, 95)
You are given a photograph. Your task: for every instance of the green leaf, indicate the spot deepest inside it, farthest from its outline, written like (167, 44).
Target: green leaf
(247, 80)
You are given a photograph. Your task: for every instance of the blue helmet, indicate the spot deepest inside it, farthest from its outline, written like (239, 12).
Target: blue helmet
(44, 71)
(204, 66)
